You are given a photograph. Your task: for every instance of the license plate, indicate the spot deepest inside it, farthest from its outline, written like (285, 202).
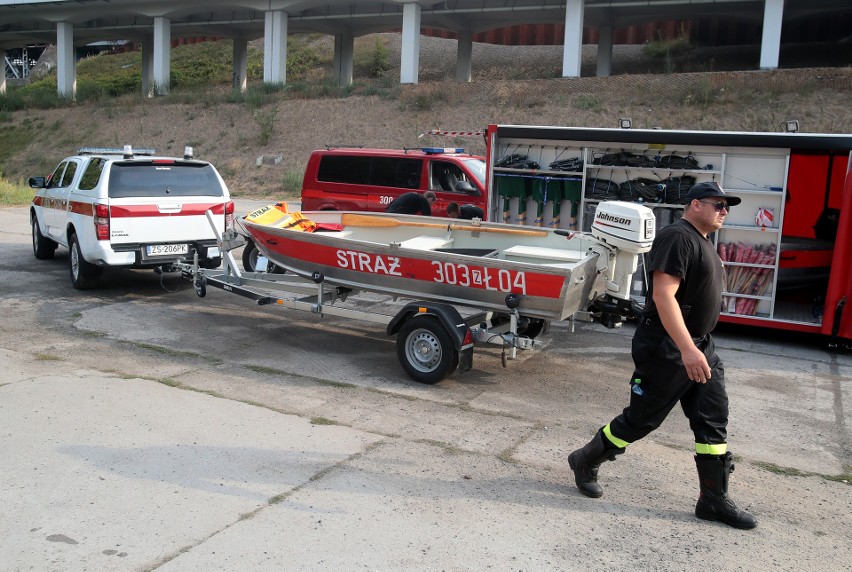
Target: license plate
(166, 249)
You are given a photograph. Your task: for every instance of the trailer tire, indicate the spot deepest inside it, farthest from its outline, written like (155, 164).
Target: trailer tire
(425, 350)
(201, 287)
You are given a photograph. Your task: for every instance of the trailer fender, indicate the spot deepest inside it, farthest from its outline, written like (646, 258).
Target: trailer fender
(449, 317)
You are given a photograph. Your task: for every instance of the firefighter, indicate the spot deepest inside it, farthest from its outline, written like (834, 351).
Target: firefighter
(413, 203)
(675, 359)
(469, 212)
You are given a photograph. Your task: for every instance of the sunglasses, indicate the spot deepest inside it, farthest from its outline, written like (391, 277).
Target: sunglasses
(718, 205)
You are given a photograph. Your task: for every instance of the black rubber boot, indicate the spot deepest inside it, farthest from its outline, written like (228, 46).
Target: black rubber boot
(714, 502)
(586, 461)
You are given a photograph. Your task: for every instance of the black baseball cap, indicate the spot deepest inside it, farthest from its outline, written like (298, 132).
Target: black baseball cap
(709, 190)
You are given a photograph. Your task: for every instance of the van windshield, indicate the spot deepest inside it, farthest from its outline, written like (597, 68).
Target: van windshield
(156, 179)
(477, 167)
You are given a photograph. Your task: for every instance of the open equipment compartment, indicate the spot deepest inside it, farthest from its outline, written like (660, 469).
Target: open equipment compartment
(787, 248)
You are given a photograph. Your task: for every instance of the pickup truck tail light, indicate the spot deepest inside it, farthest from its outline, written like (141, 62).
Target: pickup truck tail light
(226, 209)
(229, 215)
(102, 222)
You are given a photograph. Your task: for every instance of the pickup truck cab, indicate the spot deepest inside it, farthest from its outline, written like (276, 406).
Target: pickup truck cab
(126, 208)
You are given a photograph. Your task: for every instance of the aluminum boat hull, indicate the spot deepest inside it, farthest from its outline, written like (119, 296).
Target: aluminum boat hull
(467, 263)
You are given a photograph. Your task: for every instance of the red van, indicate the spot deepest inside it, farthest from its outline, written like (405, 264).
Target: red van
(355, 179)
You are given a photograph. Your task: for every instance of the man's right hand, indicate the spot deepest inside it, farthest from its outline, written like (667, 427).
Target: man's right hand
(696, 364)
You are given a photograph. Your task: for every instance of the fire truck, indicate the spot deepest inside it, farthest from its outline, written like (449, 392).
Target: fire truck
(787, 248)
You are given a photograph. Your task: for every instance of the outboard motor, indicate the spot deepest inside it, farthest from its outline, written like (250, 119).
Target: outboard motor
(628, 229)
(626, 226)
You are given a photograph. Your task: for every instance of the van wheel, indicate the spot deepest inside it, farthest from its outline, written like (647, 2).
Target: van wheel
(84, 275)
(43, 247)
(425, 350)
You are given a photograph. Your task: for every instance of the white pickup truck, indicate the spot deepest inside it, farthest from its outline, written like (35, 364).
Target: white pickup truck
(120, 207)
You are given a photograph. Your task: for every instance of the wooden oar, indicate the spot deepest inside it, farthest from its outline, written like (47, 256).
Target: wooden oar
(380, 221)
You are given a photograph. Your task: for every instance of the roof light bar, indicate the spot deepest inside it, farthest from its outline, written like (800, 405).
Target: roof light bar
(441, 150)
(128, 149)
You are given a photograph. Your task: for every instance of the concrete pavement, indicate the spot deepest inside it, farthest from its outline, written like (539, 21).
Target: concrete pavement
(142, 428)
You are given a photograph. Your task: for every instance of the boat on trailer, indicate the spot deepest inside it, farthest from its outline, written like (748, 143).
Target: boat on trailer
(546, 274)
(516, 279)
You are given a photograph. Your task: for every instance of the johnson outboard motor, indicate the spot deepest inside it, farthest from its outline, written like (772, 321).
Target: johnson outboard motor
(627, 230)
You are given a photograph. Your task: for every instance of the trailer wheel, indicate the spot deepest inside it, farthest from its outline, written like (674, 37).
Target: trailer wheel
(201, 287)
(425, 350)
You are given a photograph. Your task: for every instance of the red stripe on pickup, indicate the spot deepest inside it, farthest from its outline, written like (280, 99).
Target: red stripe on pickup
(194, 209)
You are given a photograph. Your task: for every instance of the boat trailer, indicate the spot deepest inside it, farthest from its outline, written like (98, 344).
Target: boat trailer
(434, 340)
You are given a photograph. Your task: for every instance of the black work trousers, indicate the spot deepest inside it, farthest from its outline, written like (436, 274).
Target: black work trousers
(660, 381)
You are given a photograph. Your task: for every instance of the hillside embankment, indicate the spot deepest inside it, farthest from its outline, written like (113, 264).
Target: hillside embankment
(289, 125)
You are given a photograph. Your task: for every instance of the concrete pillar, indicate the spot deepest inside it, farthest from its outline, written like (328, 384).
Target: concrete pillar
(275, 47)
(66, 76)
(604, 62)
(410, 56)
(148, 66)
(3, 77)
(770, 45)
(573, 45)
(240, 65)
(344, 57)
(162, 55)
(464, 56)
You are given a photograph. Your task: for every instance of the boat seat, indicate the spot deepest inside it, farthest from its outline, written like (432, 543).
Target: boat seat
(558, 255)
(426, 242)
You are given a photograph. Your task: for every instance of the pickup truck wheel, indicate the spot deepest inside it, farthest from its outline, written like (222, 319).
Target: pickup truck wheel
(43, 247)
(425, 350)
(211, 263)
(84, 275)
(250, 256)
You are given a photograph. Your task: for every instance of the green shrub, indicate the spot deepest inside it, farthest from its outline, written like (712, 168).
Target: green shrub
(379, 59)
(265, 120)
(669, 48)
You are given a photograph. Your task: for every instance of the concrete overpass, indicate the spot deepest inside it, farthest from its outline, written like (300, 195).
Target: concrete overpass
(154, 23)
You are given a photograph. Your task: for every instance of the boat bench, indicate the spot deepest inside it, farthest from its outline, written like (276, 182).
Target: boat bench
(554, 255)
(426, 242)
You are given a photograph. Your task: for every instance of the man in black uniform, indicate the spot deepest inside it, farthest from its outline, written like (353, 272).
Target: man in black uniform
(675, 358)
(467, 212)
(412, 203)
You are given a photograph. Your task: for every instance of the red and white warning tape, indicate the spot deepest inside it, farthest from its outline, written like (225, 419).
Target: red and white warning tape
(456, 133)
